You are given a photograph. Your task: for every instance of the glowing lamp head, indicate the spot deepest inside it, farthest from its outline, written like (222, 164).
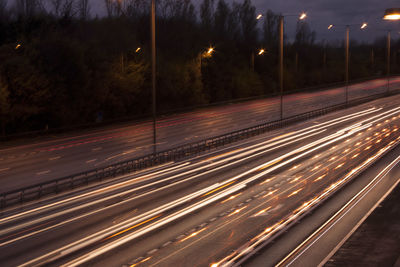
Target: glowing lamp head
(392, 14)
(303, 16)
(330, 26)
(138, 49)
(210, 50)
(259, 16)
(364, 25)
(262, 51)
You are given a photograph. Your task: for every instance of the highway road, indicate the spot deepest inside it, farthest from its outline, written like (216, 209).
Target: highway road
(211, 210)
(28, 162)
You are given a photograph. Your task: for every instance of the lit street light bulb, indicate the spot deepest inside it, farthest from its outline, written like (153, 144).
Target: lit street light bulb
(259, 16)
(262, 51)
(364, 25)
(330, 26)
(392, 14)
(303, 16)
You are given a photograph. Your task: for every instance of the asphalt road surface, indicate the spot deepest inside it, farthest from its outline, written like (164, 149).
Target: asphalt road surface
(210, 210)
(24, 163)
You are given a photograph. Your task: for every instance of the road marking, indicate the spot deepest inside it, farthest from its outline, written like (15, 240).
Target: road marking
(338, 216)
(90, 161)
(55, 158)
(43, 172)
(96, 149)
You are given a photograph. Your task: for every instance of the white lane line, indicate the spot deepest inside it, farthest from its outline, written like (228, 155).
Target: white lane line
(350, 205)
(4, 169)
(43, 172)
(90, 161)
(240, 186)
(264, 149)
(281, 141)
(96, 149)
(55, 158)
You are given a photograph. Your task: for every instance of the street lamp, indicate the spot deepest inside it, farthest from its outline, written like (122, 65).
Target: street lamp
(153, 69)
(302, 16)
(363, 26)
(281, 23)
(390, 14)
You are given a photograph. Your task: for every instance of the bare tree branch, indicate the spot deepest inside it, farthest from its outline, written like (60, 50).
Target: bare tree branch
(83, 9)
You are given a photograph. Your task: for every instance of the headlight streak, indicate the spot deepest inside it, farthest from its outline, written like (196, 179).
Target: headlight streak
(313, 147)
(78, 244)
(2, 232)
(80, 197)
(270, 228)
(234, 257)
(358, 196)
(261, 212)
(335, 136)
(270, 193)
(91, 213)
(83, 196)
(295, 192)
(237, 211)
(192, 235)
(230, 198)
(142, 261)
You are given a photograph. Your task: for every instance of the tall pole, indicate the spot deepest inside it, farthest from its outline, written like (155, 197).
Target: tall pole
(347, 63)
(281, 61)
(153, 69)
(388, 61)
(252, 60)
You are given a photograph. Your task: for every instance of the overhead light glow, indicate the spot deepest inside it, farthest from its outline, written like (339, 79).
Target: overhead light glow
(259, 16)
(364, 25)
(262, 51)
(330, 26)
(303, 16)
(392, 14)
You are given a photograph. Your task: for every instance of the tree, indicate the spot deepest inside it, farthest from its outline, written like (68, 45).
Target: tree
(207, 14)
(270, 29)
(63, 8)
(3, 10)
(304, 36)
(83, 8)
(4, 106)
(113, 7)
(248, 23)
(27, 8)
(221, 18)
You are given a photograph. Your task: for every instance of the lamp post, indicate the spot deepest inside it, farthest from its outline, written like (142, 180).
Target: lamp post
(347, 53)
(281, 32)
(391, 14)
(388, 62)
(153, 70)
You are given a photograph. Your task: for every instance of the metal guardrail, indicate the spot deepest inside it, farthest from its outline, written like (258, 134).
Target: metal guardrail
(84, 178)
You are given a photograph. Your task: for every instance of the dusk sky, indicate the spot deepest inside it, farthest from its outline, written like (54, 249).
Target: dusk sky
(321, 13)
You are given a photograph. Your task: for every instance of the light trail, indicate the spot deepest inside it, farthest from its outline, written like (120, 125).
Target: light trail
(353, 130)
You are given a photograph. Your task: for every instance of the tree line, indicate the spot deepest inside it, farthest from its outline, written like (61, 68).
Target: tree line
(60, 65)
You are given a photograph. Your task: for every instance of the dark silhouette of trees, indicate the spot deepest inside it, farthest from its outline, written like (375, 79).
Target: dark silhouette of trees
(60, 67)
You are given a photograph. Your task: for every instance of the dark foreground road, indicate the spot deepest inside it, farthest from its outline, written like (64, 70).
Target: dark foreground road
(27, 163)
(206, 211)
